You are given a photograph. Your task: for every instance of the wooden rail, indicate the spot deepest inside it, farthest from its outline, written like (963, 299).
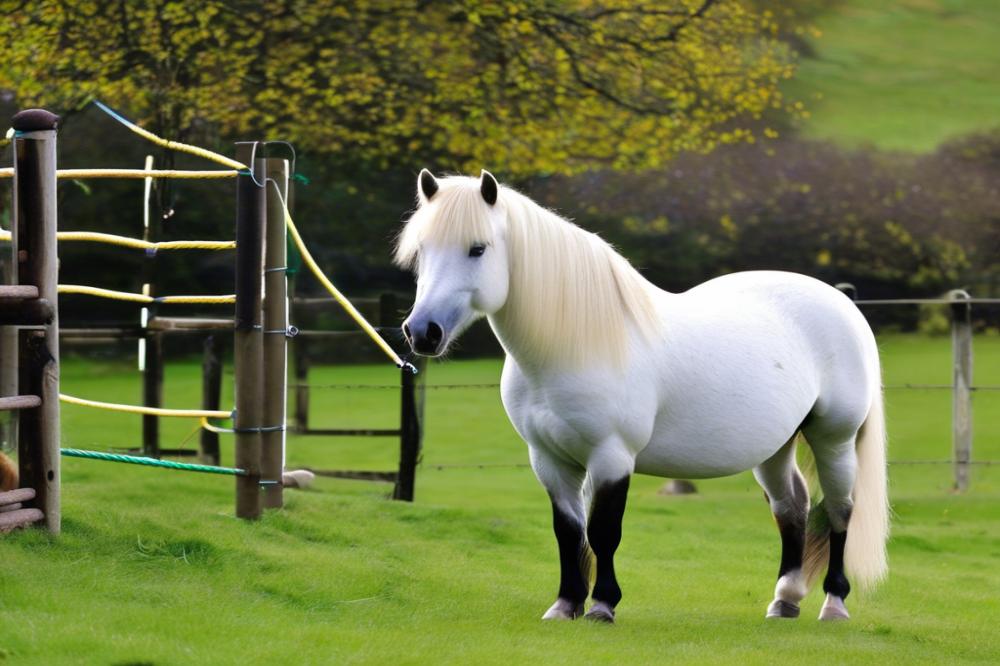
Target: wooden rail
(17, 496)
(13, 402)
(19, 518)
(18, 291)
(356, 475)
(13, 514)
(189, 324)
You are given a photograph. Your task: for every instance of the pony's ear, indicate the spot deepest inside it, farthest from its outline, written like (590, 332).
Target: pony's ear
(427, 184)
(488, 186)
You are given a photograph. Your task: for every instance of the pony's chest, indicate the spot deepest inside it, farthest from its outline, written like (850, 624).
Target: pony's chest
(564, 428)
(571, 418)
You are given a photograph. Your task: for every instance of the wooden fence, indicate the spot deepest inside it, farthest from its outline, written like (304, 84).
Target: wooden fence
(260, 328)
(30, 329)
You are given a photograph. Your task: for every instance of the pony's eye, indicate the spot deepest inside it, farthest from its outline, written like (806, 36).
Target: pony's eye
(477, 250)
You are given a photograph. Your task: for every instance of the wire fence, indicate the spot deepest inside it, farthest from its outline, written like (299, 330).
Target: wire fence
(445, 387)
(961, 388)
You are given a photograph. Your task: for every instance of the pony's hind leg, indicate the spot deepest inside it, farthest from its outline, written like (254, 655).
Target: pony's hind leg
(789, 500)
(836, 467)
(564, 484)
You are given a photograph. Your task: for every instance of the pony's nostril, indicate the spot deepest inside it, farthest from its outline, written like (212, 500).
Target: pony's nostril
(434, 334)
(406, 331)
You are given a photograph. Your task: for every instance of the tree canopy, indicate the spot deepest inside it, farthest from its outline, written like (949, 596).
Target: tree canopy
(524, 86)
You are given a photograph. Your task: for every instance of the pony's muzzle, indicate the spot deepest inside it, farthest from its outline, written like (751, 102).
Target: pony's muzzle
(427, 341)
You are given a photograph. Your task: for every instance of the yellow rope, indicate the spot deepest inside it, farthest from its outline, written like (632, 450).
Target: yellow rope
(216, 429)
(8, 172)
(136, 243)
(174, 145)
(150, 411)
(141, 298)
(207, 300)
(325, 281)
(141, 173)
(141, 244)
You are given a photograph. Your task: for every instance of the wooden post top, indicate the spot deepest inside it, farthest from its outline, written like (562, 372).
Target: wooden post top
(34, 120)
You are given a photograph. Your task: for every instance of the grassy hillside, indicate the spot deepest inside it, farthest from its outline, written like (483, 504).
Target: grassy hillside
(153, 569)
(902, 74)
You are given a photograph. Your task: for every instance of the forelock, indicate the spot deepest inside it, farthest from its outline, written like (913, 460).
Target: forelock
(457, 215)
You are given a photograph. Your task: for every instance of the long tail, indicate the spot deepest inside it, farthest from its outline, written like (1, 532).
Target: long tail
(868, 530)
(8, 474)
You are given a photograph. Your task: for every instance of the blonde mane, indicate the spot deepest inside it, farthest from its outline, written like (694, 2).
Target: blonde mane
(571, 296)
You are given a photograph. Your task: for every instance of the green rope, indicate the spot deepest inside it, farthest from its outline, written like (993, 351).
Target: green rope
(151, 462)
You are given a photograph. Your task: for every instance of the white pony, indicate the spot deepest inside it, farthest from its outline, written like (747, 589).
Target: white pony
(606, 375)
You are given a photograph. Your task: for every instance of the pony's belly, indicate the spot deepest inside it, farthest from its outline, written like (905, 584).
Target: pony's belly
(687, 454)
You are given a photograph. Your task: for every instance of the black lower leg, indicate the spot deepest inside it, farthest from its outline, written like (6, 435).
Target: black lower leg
(792, 527)
(793, 539)
(835, 582)
(569, 535)
(605, 533)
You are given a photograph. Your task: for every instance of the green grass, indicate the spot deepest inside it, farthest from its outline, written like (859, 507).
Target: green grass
(902, 74)
(153, 568)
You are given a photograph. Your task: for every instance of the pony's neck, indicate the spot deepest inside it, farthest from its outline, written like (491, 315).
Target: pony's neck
(572, 299)
(512, 338)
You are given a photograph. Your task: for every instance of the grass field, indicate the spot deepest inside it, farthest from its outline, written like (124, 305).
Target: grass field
(152, 568)
(902, 74)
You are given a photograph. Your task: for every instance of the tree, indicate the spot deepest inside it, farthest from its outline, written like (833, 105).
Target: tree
(524, 86)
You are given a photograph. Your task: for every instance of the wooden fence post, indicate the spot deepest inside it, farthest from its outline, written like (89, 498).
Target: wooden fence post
(275, 332)
(961, 405)
(211, 397)
(411, 429)
(248, 343)
(36, 221)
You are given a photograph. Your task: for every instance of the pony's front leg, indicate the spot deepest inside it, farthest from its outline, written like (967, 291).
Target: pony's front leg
(564, 483)
(604, 532)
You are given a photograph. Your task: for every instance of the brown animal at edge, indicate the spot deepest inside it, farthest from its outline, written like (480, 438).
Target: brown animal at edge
(8, 474)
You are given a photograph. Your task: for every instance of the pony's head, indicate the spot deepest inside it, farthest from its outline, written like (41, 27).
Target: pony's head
(456, 243)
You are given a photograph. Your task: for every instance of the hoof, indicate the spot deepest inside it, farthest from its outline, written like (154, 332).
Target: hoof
(779, 608)
(563, 609)
(601, 612)
(833, 609)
